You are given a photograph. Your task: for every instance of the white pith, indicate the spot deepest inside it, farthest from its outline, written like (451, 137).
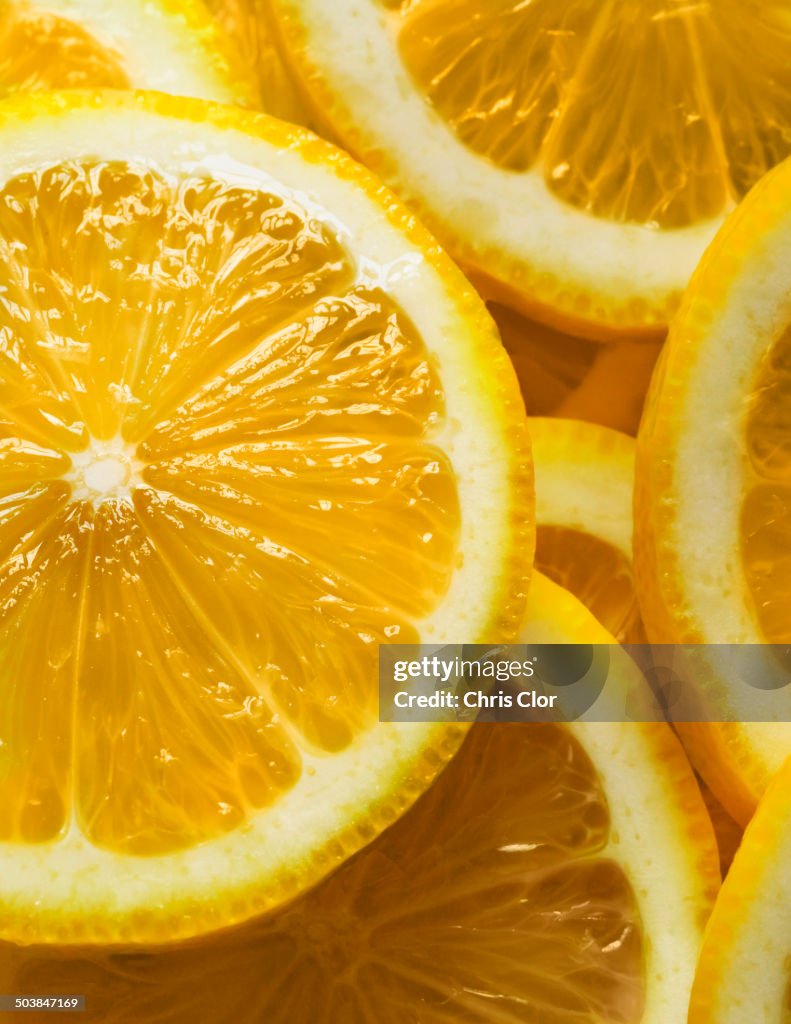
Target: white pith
(352, 46)
(75, 880)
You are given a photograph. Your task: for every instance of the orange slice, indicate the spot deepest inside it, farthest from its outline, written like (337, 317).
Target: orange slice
(550, 875)
(238, 450)
(744, 971)
(575, 155)
(147, 44)
(713, 508)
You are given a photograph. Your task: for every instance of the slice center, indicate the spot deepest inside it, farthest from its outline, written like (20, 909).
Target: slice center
(104, 471)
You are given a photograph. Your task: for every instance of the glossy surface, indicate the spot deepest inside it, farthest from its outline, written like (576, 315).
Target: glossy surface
(218, 489)
(652, 111)
(495, 891)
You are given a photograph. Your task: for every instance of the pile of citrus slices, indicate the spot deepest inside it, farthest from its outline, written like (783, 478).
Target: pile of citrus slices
(327, 326)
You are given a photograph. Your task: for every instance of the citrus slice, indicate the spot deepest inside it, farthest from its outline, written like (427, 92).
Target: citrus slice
(576, 156)
(238, 450)
(744, 971)
(713, 508)
(550, 875)
(245, 26)
(170, 46)
(584, 480)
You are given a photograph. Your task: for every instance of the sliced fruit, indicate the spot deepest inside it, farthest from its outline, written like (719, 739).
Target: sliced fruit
(713, 507)
(238, 449)
(551, 874)
(576, 156)
(584, 481)
(173, 47)
(744, 973)
(244, 23)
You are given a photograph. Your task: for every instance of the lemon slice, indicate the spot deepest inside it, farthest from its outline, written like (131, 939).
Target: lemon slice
(744, 971)
(550, 874)
(713, 509)
(238, 450)
(168, 45)
(575, 155)
(245, 26)
(584, 481)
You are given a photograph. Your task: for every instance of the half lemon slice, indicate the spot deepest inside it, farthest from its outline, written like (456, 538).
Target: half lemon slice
(713, 497)
(551, 874)
(575, 155)
(253, 423)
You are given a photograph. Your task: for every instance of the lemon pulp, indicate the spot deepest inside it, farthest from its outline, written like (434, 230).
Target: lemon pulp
(218, 494)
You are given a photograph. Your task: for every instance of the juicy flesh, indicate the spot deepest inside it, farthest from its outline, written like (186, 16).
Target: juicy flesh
(766, 508)
(595, 572)
(506, 898)
(218, 494)
(42, 50)
(660, 112)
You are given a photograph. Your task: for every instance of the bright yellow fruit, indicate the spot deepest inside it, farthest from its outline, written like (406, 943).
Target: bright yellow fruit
(713, 511)
(253, 423)
(584, 480)
(744, 973)
(575, 155)
(551, 874)
(168, 45)
(584, 483)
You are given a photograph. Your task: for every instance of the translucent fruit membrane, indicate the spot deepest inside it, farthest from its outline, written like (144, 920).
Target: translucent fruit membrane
(494, 898)
(595, 572)
(41, 50)
(218, 494)
(766, 510)
(656, 111)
